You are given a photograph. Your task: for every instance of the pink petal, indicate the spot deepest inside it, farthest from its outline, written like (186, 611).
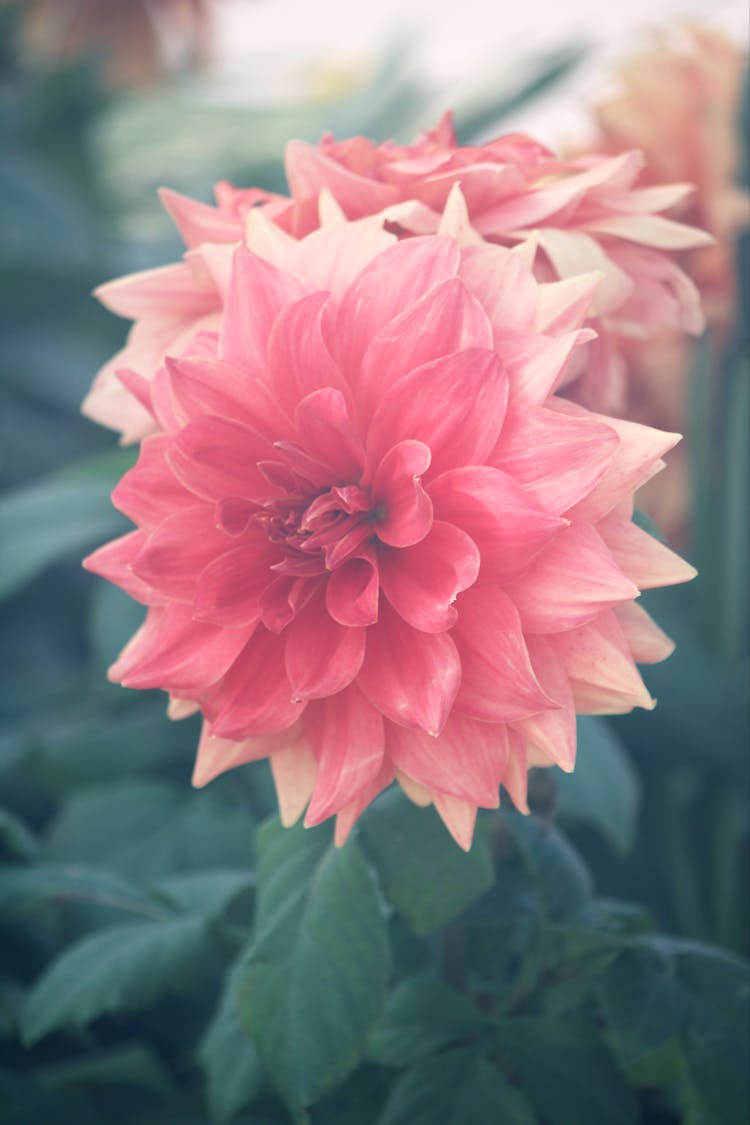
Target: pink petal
(347, 816)
(445, 320)
(458, 816)
(257, 294)
(536, 364)
(113, 562)
(553, 732)
(503, 284)
(504, 520)
(570, 582)
(455, 405)
(217, 755)
(352, 592)
(298, 357)
(199, 222)
(598, 662)
(466, 760)
(557, 458)
(229, 588)
(516, 776)
(321, 656)
(203, 386)
(562, 305)
(294, 771)
(653, 230)
(347, 737)
(327, 433)
(308, 171)
(255, 696)
(178, 549)
(498, 683)
(572, 253)
(405, 509)
(421, 582)
(646, 641)
(332, 257)
(395, 279)
(411, 677)
(217, 458)
(173, 652)
(645, 560)
(165, 292)
(149, 492)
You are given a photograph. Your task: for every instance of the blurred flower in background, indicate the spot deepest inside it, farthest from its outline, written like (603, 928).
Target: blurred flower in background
(138, 41)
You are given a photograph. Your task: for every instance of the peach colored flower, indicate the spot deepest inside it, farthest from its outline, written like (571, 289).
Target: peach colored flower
(372, 541)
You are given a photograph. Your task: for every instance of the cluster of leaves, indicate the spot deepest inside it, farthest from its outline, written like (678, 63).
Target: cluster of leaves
(165, 959)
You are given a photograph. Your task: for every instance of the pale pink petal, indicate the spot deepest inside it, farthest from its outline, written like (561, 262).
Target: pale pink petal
(217, 755)
(308, 171)
(348, 815)
(458, 816)
(113, 562)
(645, 560)
(199, 222)
(298, 357)
(652, 230)
(603, 676)
(168, 292)
(561, 305)
(536, 364)
(516, 776)
(294, 771)
(503, 284)
(466, 760)
(347, 736)
(553, 731)
(648, 644)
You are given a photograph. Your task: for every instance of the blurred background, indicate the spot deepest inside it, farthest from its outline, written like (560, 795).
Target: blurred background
(101, 102)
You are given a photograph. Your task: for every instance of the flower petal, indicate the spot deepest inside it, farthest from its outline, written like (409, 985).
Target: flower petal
(322, 657)
(466, 760)
(421, 582)
(347, 737)
(255, 696)
(598, 661)
(553, 732)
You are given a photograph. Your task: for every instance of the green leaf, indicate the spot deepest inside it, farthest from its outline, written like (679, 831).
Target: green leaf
(421, 1017)
(567, 1073)
(604, 789)
(127, 1065)
(234, 1075)
(25, 887)
(558, 871)
(206, 892)
(456, 1088)
(17, 839)
(424, 873)
(643, 1003)
(314, 979)
(117, 968)
(51, 520)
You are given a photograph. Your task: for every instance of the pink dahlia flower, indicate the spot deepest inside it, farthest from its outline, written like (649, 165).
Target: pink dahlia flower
(574, 216)
(372, 542)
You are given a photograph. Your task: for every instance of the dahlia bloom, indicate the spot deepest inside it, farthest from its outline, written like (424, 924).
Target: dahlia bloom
(574, 216)
(372, 541)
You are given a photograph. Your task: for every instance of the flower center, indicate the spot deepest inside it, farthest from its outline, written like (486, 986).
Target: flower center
(321, 533)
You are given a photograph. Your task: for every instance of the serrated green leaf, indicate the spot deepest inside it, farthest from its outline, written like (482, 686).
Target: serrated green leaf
(228, 1056)
(566, 1072)
(314, 979)
(25, 887)
(421, 1016)
(456, 1088)
(117, 968)
(424, 874)
(51, 520)
(604, 789)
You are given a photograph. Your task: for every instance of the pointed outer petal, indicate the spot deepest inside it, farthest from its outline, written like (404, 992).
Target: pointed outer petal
(168, 292)
(572, 253)
(347, 816)
(389, 284)
(258, 291)
(113, 562)
(178, 709)
(173, 652)
(410, 217)
(347, 737)
(214, 386)
(109, 403)
(445, 320)
(327, 433)
(599, 664)
(413, 790)
(653, 230)
(561, 306)
(308, 171)
(199, 222)
(503, 284)
(645, 560)
(267, 239)
(458, 816)
(160, 392)
(467, 760)
(551, 732)
(228, 589)
(636, 459)
(647, 642)
(411, 677)
(149, 492)
(498, 683)
(137, 386)
(321, 656)
(658, 198)
(298, 358)
(216, 458)
(557, 458)
(176, 552)
(421, 582)
(254, 697)
(329, 211)
(535, 363)
(217, 755)
(397, 491)
(211, 264)
(526, 250)
(332, 257)
(528, 208)
(516, 776)
(505, 522)
(352, 592)
(570, 582)
(294, 771)
(455, 405)
(455, 220)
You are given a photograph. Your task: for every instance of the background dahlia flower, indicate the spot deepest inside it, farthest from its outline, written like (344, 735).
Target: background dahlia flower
(372, 541)
(575, 216)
